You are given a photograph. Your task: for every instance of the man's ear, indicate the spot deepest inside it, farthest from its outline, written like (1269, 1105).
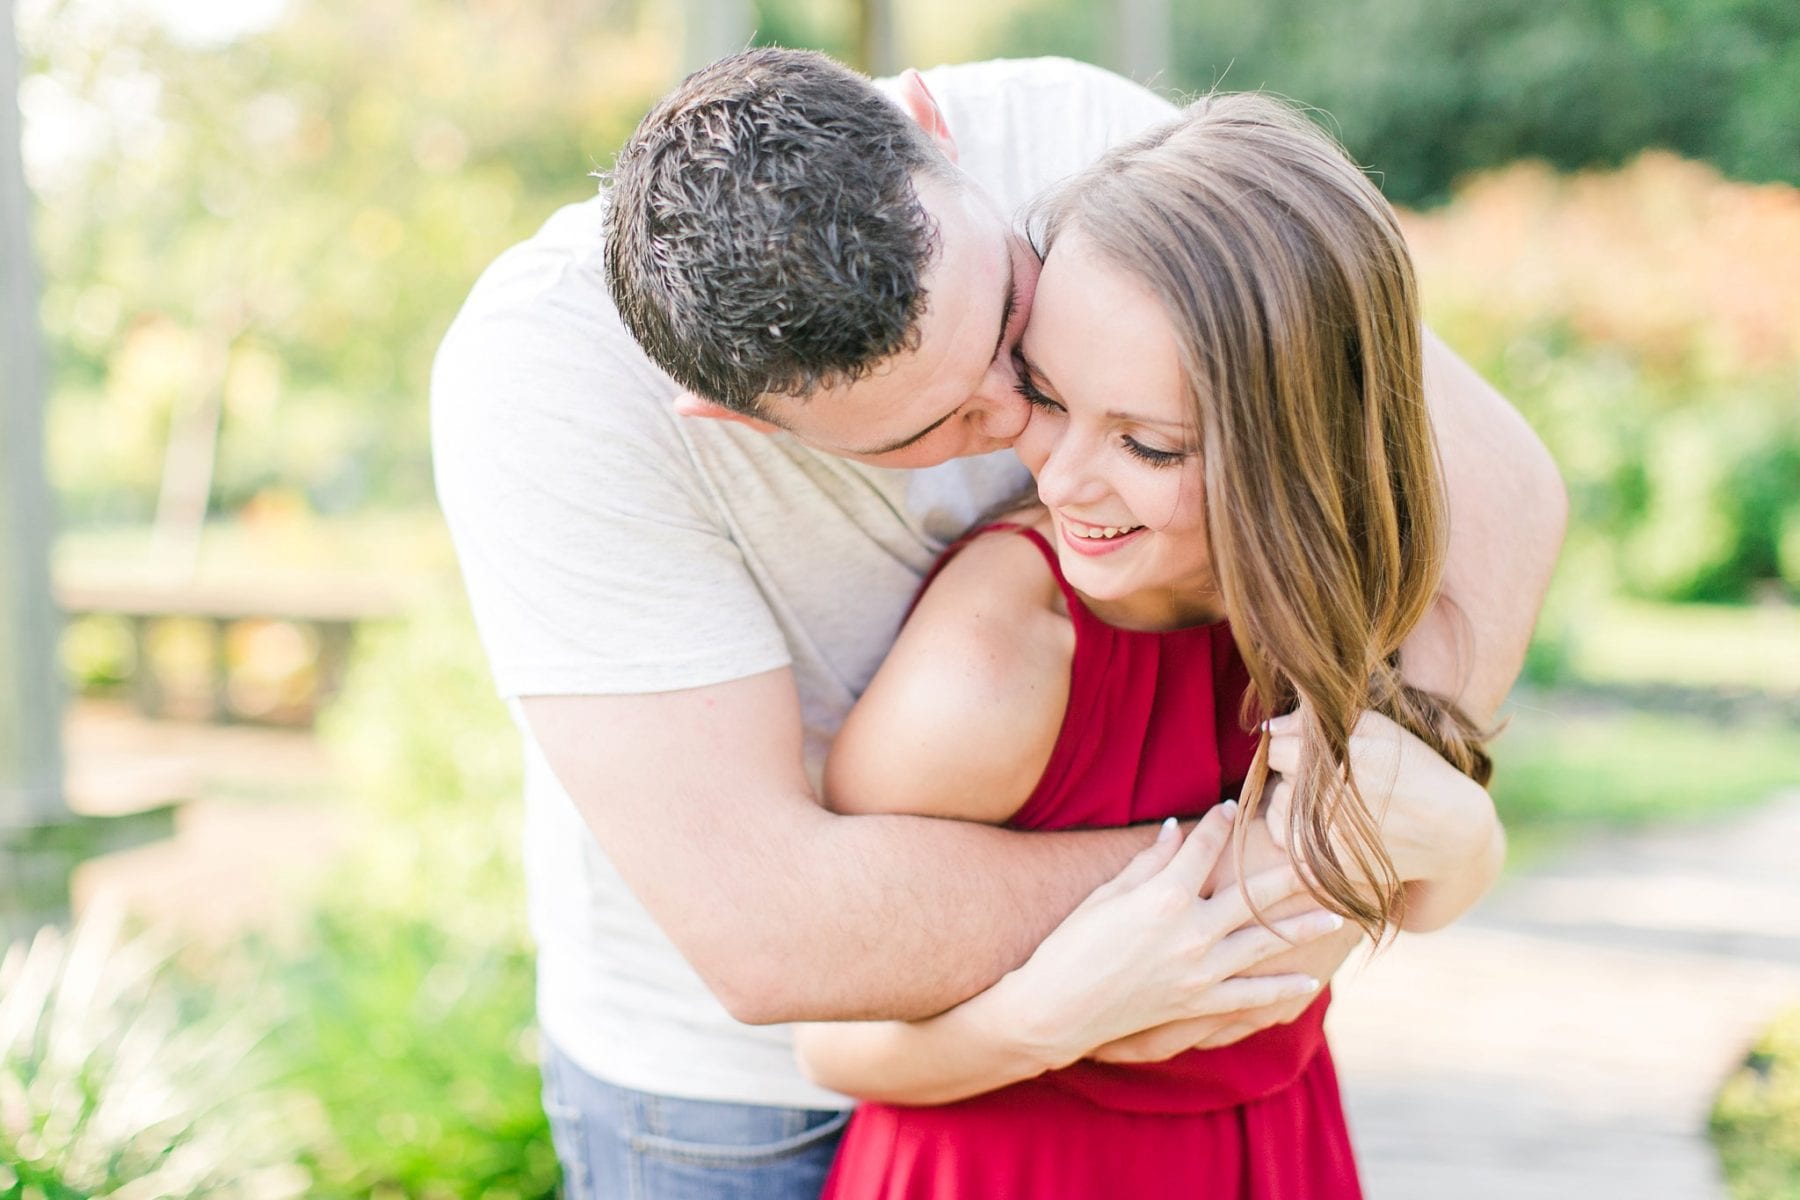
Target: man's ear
(922, 107)
(689, 405)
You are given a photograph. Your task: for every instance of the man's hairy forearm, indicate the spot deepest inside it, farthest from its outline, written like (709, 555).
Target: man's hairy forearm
(788, 912)
(897, 917)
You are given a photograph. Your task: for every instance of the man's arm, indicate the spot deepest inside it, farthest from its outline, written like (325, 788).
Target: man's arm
(787, 911)
(1508, 509)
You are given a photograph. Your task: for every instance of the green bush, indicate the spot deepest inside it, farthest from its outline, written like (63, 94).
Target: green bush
(1756, 1122)
(114, 1084)
(413, 1043)
(407, 1011)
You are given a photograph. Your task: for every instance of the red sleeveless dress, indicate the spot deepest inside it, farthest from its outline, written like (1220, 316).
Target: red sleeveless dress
(1151, 731)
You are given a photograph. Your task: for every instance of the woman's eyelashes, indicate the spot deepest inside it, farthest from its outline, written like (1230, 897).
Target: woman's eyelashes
(1153, 456)
(1138, 450)
(1028, 390)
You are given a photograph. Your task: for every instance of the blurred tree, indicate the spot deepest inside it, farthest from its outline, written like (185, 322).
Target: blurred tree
(1427, 92)
(1143, 39)
(275, 232)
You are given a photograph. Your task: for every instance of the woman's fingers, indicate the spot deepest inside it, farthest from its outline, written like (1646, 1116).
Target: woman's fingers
(1284, 749)
(1233, 906)
(1145, 863)
(1253, 991)
(1276, 812)
(1238, 952)
(1192, 864)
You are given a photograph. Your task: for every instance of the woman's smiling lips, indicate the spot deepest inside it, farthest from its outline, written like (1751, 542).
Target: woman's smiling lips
(1093, 540)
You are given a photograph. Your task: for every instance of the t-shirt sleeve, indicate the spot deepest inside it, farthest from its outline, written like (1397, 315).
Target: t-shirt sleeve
(596, 561)
(1022, 125)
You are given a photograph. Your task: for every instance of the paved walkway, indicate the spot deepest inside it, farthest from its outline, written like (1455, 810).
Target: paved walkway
(254, 828)
(1566, 1039)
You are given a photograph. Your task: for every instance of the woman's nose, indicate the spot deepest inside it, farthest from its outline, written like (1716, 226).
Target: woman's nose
(1065, 478)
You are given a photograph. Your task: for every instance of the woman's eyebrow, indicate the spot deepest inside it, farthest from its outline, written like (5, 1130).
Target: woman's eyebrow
(1119, 414)
(1040, 382)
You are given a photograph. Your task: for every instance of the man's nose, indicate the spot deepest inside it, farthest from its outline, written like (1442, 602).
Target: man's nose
(1000, 412)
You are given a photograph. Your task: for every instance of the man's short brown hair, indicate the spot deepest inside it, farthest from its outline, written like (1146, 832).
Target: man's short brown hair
(763, 234)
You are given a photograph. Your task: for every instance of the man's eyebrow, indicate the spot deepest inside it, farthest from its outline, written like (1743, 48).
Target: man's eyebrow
(1006, 315)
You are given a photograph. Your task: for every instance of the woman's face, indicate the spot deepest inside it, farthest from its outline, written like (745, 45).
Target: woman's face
(1112, 443)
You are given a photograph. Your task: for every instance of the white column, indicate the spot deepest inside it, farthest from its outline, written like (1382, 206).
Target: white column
(31, 701)
(877, 37)
(712, 29)
(1143, 40)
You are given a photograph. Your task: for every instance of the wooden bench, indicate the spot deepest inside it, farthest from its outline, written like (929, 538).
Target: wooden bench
(328, 608)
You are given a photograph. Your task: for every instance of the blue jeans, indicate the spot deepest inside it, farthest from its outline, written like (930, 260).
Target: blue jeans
(620, 1144)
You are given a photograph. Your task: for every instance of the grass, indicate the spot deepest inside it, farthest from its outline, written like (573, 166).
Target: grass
(1691, 645)
(1562, 772)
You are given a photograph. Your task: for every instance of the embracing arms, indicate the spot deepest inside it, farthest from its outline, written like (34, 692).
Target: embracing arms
(787, 911)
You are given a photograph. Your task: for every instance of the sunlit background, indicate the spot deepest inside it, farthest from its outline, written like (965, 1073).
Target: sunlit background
(254, 220)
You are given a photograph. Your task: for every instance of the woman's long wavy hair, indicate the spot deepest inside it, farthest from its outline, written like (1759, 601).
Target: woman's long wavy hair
(1285, 275)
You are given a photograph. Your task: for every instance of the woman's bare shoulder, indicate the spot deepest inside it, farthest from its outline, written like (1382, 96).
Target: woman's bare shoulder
(961, 718)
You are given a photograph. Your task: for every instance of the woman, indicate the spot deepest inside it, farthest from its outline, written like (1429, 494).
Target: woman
(1241, 520)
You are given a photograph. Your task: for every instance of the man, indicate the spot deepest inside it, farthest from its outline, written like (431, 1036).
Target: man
(680, 611)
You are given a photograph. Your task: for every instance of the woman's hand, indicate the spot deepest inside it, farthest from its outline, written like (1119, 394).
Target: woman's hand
(1439, 826)
(1145, 950)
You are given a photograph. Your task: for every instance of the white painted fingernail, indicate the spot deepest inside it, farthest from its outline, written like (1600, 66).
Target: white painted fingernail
(1168, 830)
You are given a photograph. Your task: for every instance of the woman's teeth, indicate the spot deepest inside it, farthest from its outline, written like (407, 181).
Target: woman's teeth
(1101, 532)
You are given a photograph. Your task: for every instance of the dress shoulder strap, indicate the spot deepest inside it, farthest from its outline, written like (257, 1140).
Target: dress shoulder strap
(1029, 534)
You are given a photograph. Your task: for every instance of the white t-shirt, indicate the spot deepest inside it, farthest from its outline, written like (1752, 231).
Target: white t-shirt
(610, 547)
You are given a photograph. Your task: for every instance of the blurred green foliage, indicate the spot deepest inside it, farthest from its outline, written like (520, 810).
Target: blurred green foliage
(1563, 771)
(286, 223)
(114, 1083)
(1646, 321)
(406, 1011)
(1756, 1122)
(1428, 93)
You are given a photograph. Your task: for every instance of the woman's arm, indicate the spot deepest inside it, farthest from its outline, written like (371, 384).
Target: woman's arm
(1057, 1008)
(960, 722)
(962, 716)
(1508, 510)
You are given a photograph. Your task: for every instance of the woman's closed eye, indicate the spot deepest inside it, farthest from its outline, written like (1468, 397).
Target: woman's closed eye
(1151, 455)
(1033, 397)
